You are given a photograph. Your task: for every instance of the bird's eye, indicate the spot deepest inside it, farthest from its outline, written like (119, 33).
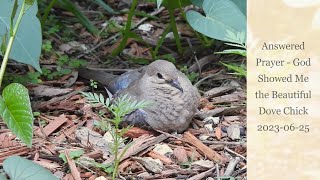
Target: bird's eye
(159, 76)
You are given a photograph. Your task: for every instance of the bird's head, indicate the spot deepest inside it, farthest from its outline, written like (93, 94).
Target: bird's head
(164, 72)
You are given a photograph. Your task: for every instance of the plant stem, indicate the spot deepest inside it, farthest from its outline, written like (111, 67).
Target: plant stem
(46, 13)
(174, 26)
(126, 31)
(154, 53)
(10, 43)
(116, 148)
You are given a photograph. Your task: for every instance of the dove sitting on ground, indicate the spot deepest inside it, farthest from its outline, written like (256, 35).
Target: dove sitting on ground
(174, 100)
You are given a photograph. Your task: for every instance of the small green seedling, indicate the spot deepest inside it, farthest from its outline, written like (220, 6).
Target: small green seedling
(120, 107)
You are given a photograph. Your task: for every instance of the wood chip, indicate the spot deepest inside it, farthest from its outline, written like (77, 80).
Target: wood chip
(143, 143)
(209, 153)
(136, 132)
(153, 165)
(89, 138)
(234, 97)
(73, 168)
(52, 126)
(202, 175)
(220, 111)
(233, 132)
(161, 157)
(48, 91)
(218, 91)
(181, 154)
(218, 132)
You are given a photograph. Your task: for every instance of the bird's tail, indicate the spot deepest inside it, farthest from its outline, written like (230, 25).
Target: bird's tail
(96, 75)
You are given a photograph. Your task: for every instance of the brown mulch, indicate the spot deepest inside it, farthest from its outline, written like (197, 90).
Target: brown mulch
(213, 146)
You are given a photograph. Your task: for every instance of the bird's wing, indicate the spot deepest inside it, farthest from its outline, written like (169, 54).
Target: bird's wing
(124, 81)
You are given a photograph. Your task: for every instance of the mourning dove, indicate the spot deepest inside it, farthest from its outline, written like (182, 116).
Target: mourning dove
(174, 100)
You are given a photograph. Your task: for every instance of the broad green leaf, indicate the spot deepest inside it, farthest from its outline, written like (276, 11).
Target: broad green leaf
(27, 44)
(221, 16)
(19, 168)
(242, 4)
(15, 110)
(238, 38)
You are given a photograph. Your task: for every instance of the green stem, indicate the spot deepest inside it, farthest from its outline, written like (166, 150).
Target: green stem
(10, 43)
(46, 13)
(126, 30)
(154, 53)
(115, 171)
(174, 27)
(116, 149)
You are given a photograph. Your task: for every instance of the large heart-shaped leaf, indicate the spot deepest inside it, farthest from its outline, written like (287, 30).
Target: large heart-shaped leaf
(27, 45)
(221, 16)
(19, 168)
(242, 5)
(15, 110)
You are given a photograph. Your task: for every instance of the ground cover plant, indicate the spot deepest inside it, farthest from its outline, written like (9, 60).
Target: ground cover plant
(61, 133)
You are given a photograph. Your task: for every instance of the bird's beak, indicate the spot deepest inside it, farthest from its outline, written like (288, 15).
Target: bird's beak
(176, 84)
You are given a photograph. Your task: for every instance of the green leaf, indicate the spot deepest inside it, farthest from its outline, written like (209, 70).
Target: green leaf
(13, 15)
(105, 6)
(65, 71)
(242, 4)
(27, 44)
(15, 110)
(239, 38)
(159, 2)
(168, 57)
(3, 46)
(234, 51)
(135, 36)
(72, 155)
(19, 168)
(221, 16)
(175, 3)
(239, 69)
(29, 2)
(141, 61)
(69, 6)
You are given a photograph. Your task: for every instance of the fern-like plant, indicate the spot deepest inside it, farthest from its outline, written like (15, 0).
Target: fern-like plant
(120, 107)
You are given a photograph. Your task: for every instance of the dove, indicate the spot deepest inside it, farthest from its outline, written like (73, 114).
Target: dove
(174, 100)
